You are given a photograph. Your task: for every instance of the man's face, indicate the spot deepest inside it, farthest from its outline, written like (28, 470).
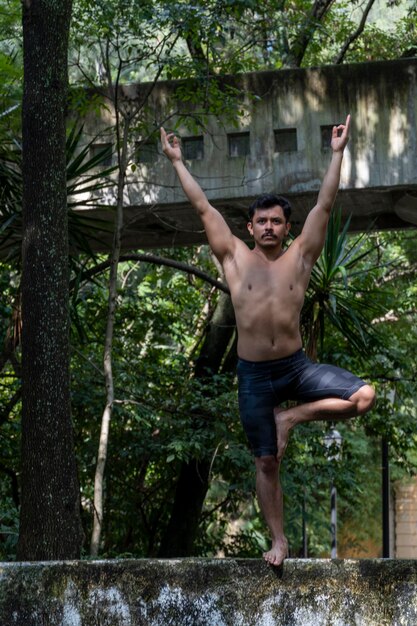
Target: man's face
(269, 227)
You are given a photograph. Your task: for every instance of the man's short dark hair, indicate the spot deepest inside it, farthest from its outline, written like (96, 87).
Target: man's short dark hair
(267, 201)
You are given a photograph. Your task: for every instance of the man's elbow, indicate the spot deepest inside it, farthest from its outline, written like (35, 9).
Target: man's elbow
(325, 205)
(202, 207)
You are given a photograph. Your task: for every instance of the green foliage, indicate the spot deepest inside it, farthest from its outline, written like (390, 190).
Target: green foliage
(160, 411)
(11, 66)
(331, 297)
(10, 407)
(9, 529)
(80, 180)
(163, 415)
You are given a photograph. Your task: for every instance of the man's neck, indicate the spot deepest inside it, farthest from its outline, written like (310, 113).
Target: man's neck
(268, 254)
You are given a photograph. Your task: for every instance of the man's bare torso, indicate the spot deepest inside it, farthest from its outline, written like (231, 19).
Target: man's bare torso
(267, 297)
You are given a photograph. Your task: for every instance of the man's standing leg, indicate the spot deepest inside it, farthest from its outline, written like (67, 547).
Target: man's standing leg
(269, 493)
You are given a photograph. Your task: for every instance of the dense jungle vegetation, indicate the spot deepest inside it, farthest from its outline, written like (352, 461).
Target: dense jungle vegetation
(177, 478)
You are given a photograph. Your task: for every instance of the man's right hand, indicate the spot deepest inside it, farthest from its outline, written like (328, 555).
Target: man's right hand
(171, 146)
(219, 235)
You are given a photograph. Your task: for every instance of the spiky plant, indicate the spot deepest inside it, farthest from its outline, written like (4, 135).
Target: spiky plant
(82, 178)
(332, 297)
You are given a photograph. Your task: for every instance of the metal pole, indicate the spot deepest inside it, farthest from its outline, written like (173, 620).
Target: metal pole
(386, 552)
(333, 521)
(304, 528)
(333, 441)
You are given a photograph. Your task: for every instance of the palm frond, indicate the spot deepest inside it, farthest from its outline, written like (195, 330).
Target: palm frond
(332, 297)
(83, 179)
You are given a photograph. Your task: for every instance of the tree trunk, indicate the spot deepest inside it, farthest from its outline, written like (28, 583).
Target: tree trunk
(218, 335)
(306, 32)
(50, 522)
(193, 481)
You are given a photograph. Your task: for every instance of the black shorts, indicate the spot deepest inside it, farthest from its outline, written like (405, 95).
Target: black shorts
(264, 385)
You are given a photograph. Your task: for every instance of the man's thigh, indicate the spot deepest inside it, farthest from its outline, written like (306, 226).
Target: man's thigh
(256, 407)
(319, 380)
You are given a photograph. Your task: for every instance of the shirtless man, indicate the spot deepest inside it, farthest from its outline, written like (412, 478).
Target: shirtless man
(267, 286)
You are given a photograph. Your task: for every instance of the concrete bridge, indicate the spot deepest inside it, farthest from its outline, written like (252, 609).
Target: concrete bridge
(281, 144)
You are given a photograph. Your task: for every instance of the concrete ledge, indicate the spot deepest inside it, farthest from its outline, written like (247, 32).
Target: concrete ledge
(209, 592)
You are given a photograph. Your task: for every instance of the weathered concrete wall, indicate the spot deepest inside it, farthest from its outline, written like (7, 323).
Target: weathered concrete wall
(379, 176)
(406, 519)
(199, 592)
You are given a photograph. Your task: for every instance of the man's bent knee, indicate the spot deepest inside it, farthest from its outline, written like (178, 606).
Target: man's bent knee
(364, 399)
(266, 464)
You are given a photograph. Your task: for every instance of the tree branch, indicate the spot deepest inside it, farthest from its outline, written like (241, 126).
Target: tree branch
(392, 316)
(306, 33)
(155, 260)
(10, 405)
(398, 272)
(15, 485)
(339, 58)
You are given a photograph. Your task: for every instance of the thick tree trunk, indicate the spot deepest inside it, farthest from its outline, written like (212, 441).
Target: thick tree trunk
(218, 335)
(50, 524)
(193, 480)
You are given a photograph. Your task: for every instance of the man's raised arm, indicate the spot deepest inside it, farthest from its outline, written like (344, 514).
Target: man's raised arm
(313, 235)
(219, 235)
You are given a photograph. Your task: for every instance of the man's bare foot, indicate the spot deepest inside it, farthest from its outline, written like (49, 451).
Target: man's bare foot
(278, 552)
(284, 421)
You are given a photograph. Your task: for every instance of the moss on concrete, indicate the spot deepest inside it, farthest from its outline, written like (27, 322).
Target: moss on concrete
(204, 592)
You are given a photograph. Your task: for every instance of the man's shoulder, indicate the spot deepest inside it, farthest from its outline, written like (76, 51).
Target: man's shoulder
(237, 256)
(239, 249)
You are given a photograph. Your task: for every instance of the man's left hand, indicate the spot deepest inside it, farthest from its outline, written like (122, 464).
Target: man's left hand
(339, 140)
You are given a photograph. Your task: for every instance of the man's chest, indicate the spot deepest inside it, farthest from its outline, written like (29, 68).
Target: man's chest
(283, 283)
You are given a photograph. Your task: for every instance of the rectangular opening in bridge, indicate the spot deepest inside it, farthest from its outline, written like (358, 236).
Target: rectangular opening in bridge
(286, 140)
(102, 153)
(238, 144)
(193, 148)
(146, 152)
(326, 135)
